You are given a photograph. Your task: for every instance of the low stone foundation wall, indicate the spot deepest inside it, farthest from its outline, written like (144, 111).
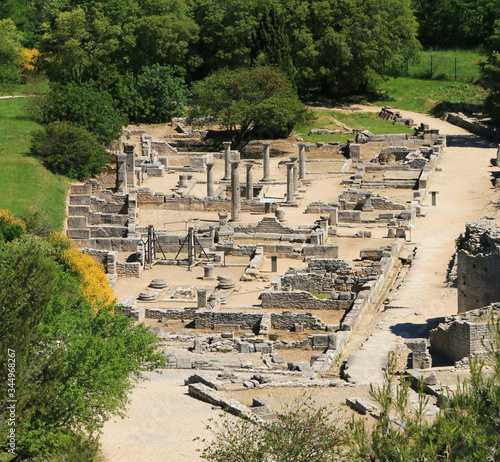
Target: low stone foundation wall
(300, 300)
(128, 270)
(464, 334)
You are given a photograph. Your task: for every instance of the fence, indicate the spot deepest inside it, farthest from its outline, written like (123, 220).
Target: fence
(446, 67)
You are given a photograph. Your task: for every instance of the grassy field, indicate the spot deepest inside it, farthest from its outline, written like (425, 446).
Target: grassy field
(459, 65)
(430, 96)
(332, 120)
(25, 185)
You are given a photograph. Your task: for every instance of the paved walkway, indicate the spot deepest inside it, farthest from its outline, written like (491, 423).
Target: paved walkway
(465, 193)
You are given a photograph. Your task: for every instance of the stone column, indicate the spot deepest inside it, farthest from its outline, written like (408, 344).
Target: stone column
(249, 166)
(183, 181)
(121, 172)
(146, 148)
(279, 214)
(267, 162)
(498, 155)
(290, 196)
(367, 206)
(130, 164)
(222, 219)
(227, 160)
(209, 272)
(202, 298)
(210, 179)
(334, 216)
(302, 161)
(235, 192)
(295, 175)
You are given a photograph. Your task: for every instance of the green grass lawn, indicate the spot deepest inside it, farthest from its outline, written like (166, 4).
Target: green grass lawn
(334, 120)
(459, 65)
(430, 96)
(25, 185)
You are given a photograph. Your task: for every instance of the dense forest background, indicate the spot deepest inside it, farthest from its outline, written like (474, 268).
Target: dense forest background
(329, 46)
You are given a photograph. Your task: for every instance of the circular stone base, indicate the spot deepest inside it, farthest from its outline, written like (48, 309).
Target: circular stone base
(148, 295)
(158, 283)
(226, 283)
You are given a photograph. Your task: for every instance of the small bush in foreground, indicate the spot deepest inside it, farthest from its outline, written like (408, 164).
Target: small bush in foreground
(303, 433)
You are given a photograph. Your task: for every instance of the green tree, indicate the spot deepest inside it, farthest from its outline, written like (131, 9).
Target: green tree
(164, 32)
(10, 52)
(155, 97)
(456, 24)
(73, 367)
(359, 42)
(303, 433)
(491, 76)
(70, 150)
(79, 45)
(83, 105)
(271, 42)
(250, 102)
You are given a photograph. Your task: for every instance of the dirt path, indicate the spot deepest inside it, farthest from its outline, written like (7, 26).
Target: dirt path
(465, 193)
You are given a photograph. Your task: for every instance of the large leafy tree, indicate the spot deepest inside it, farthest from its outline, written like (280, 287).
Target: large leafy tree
(79, 45)
(456, 24)
(10, 52)
(83, 105)
(163, 33)
(157, 95)
(250, 102)
(71, 366)
(491, 76)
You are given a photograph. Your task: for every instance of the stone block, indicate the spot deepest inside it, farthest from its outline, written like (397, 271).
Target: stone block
(83, 199)
(77, 222)
(320, 340)
(184, 362)
(421, 360)
(78, 233)
(78, 210)
(417, 344)
(262, 348)
(245, 347)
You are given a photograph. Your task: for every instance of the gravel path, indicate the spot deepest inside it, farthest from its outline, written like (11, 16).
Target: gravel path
(465, 193)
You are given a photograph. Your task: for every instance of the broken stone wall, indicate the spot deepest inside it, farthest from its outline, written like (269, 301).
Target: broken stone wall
(478, 265)
(128, 269)
(463, 335)
(300, 300)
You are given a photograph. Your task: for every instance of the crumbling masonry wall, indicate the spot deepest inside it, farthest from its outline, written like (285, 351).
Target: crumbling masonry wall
(478, 265)
(463, 335)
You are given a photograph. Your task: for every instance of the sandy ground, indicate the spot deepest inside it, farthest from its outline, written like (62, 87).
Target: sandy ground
(162, 419)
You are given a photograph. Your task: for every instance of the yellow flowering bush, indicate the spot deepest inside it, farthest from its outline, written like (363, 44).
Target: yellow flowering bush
(28, 62)
(6, 218)
(90, 274)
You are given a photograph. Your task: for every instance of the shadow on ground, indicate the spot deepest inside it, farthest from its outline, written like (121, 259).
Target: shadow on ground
(468, 141)
(412, 330)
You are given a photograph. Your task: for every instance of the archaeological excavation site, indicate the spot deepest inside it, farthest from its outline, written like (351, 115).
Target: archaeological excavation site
(291, 266)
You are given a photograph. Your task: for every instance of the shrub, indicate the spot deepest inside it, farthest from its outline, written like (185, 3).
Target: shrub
(90, 274)
(85, 106)
(70, 150)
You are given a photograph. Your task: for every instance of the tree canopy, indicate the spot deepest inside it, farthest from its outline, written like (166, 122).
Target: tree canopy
(256, 101)
(72, 361)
